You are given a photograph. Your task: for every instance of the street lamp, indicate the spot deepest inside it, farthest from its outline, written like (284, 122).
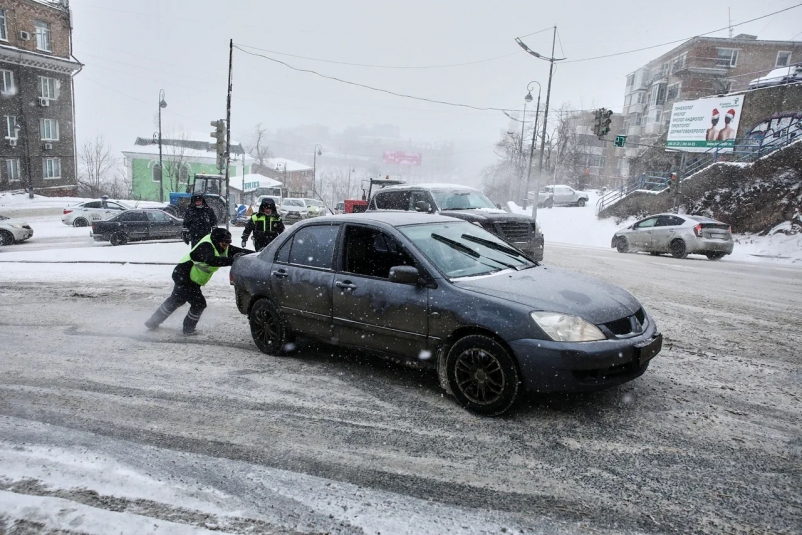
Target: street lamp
(162, 104)
(317, 152)
(528, 98)
(551, 61)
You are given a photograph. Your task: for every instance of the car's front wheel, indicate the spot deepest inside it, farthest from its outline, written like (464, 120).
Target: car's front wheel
(622, 246)
(483, 376)
(715, 256)
(268, 328)
(118, 238)
(679, 249)
(6, 238)
(80, 222)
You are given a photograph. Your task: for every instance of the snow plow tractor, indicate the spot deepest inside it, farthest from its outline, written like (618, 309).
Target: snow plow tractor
(212, 189)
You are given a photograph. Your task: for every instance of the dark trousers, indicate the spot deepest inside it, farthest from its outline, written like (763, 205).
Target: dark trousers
(182, 293)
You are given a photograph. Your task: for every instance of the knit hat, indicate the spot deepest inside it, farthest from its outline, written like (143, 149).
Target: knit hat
(715, 113)
(730, 114)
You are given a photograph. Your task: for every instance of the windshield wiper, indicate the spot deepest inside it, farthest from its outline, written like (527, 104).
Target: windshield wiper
(499, 247)
(468, 251)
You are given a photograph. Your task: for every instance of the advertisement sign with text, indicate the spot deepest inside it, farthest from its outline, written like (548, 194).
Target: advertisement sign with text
(704, 124)
(401, 157)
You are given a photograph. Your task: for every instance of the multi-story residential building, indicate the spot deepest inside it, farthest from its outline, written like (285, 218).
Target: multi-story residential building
(700, 67)
(37, 115)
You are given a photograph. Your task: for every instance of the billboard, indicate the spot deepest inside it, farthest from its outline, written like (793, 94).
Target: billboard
(701, 125)
(401, 157)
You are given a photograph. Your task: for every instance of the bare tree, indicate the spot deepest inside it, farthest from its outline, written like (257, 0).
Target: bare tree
(259, 150)
(175, 158)
(96, 162)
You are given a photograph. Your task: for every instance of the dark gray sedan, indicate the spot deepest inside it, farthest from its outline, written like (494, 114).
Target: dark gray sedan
(137, 225)
(447, 292)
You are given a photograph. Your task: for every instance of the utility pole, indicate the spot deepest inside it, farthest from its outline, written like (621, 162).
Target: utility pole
(551, 61)
(228, 128)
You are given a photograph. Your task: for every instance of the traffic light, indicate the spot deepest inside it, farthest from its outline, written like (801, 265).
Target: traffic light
(620, 141)
(597, 123)
(220, 144)
(604, 129)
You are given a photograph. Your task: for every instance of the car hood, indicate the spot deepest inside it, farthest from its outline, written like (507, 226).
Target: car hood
(557, 290)
(485, 214)
(13, 221)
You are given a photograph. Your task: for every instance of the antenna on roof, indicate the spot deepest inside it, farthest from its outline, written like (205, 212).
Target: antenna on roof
(729, 18)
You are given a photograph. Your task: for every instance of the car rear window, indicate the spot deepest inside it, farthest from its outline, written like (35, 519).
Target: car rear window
(392, 200)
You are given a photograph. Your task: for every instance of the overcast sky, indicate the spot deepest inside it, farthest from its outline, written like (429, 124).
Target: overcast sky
(133, 48)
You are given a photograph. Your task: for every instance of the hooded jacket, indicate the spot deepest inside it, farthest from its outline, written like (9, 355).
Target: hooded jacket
(264, 227)
(207, 253)
(199, 221)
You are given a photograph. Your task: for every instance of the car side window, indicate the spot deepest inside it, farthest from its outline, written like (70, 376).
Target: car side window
(415, 197)
(393, 200)
(283, 255)
(314, 246)
(676, 221)
(646, 223)
(92, 205)
(114, 206)
(371, 253)
(157, 216)
(663, 221)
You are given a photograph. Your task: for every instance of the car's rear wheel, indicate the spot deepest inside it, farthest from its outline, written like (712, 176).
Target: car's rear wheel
(268, 328)
(483, 376)
(6, 238)
(655, 253)
(80, 222)
(580, 203)
(622, 246)
(679, 249)
(118, 238)
(715, 256)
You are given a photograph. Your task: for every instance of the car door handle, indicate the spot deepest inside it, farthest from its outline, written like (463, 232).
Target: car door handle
(345, 285)
(280, 273)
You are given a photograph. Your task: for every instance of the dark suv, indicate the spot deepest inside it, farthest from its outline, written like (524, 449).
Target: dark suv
(464, 203)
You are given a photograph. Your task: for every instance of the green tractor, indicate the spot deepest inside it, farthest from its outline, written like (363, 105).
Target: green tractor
(212, 187)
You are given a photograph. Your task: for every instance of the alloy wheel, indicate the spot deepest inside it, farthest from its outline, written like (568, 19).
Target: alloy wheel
(479, 376)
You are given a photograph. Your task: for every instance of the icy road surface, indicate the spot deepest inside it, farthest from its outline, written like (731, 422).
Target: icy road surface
(106, 428)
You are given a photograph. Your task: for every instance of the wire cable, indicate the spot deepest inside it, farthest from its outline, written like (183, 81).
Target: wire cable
(681, 40)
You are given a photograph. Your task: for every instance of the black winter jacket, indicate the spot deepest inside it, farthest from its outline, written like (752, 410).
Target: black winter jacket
(199, 222)
(265, 228)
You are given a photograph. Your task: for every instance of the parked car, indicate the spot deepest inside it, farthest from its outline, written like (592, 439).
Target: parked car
(561, 195)
(464, 203)
(13, 230)
(292, 210)
(447, 293)
(85, 213)
(137, 225)
(316, 207)
(679, 235)
(779, 76)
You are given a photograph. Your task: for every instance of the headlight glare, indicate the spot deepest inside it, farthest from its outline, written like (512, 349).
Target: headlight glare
(565, 328)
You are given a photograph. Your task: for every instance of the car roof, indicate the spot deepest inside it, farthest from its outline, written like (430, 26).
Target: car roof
(392, 218)
(427, 185)
(697, 218)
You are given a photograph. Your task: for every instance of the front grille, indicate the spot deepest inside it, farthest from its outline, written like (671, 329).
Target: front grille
(624, 326)
(515, 231)
(27, 227)
(611, 372)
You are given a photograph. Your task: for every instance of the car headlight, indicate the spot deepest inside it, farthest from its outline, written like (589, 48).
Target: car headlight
(565, 328)
(17, 226)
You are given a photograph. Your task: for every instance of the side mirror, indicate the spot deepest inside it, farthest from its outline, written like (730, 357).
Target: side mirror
(404, 274)
(422, 206)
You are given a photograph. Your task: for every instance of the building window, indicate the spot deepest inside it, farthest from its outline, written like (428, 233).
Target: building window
(658, 95)
(48, 88)
(783, 59)
(156, 173)
(673, 91)
(666, 67)
(42, 36)
(657, 117)
(12, 170)
(48, 128)
(3, 26)
(11, 127)
(630, 79)
(678, 63)
(727, 58)
(51, 167)
(7, 83)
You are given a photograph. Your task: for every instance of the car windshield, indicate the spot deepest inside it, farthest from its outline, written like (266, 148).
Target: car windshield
(462, 249)
(293, 202)
(461, 200)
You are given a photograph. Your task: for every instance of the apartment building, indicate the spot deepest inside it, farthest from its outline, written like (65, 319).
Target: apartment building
(36, 97)
(700, 67)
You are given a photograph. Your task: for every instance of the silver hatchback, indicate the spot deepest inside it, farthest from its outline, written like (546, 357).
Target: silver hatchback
(679, 235)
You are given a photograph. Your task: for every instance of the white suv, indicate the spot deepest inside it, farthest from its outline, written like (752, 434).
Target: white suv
(83, 214)
(562, 195)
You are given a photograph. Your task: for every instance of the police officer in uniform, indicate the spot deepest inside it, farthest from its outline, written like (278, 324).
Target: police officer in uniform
(199, 220)
(194, 271)
(266, 225)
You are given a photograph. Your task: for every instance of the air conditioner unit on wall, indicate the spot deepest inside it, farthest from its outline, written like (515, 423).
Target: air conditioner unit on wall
(11, 142)
(48, 146)
(25, 36)
(44, 102)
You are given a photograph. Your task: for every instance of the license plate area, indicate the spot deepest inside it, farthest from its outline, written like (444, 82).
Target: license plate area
(646, 351)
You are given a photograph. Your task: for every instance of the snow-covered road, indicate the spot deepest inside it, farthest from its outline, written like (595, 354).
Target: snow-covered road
(103, 424)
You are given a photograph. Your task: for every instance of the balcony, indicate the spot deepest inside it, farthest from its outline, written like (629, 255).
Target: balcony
(697, 65)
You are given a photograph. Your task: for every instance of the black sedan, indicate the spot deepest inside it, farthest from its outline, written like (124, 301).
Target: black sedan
(445, 291)
(137, 225)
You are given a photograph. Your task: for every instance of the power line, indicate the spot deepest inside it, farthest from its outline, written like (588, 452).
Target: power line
(535, 33)
(681, 40)
(377, 89)
(380, 66)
